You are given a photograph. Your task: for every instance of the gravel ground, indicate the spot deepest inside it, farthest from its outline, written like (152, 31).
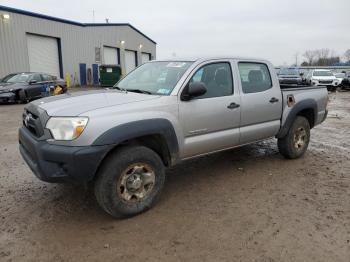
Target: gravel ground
(247, 204)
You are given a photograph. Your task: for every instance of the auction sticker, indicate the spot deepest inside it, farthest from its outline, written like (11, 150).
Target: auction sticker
(163, 91)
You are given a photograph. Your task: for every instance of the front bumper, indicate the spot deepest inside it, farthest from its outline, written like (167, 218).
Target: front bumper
(320, 83)
(7, 97)
(54, 163)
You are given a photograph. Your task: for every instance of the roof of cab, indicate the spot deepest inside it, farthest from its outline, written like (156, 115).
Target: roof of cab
(203, 59)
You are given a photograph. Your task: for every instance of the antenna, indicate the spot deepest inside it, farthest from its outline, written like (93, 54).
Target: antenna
(107, 20)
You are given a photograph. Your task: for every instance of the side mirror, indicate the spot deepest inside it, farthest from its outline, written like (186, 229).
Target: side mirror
(32, 82)
(301, 74)
(194, 89)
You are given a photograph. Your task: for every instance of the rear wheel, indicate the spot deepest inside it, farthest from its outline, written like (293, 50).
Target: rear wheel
(295, 143)
(130, 181)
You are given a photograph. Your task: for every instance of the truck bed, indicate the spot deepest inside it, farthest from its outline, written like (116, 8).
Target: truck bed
(305, 94)
(300, 87)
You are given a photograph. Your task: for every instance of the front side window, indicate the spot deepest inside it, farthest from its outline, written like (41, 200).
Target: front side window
(157, 78)
(255, 77)
(217, 78)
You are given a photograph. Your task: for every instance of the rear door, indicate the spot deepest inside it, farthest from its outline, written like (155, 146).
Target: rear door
(211, 122)
(261, 101)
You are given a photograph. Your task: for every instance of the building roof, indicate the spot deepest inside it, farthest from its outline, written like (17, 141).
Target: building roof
(65, 21)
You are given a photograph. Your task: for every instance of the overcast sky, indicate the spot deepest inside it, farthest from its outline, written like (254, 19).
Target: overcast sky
(271, 29)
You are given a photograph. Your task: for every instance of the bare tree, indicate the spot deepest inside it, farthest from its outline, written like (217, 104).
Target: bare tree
(322, 56)
(310, 56)
(347, 55)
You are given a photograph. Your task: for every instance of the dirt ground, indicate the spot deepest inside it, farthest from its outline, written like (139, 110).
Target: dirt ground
(247, 204)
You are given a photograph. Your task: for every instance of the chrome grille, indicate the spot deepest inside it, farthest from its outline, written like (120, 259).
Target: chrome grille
(32, 123)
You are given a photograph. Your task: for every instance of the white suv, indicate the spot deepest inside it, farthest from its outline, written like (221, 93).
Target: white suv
(323, 77)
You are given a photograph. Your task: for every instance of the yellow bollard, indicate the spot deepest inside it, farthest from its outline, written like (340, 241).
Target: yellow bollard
(68, 80)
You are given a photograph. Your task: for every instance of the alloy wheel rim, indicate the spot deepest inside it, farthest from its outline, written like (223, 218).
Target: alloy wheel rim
(136, 183)
(300, 138)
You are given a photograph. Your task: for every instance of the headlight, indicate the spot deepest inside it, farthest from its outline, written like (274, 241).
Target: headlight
(66, 128)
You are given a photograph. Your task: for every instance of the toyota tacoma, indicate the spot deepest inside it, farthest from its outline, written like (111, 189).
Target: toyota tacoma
(121, 140)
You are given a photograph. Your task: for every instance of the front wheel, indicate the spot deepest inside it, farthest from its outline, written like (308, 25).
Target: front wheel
(295, 143)
(130, 181)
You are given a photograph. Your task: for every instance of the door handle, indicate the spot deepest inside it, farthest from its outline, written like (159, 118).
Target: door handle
(233, 106)
(274, 100)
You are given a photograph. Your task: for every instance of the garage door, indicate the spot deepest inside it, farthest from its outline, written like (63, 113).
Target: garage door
(130, 60)
(110, 55)
(145, 57)
(43, 54)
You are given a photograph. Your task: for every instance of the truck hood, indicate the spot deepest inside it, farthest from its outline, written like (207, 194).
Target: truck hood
(324, 78)
(75, 104)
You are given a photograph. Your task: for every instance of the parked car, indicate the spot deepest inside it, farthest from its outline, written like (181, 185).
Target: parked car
(323, 77)
(289, 76)
(23, 87)
(345, 84)
(339, 76)
(122, 139)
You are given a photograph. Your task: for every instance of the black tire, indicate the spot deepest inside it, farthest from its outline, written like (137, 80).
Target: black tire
(289, 146)
(108, 185)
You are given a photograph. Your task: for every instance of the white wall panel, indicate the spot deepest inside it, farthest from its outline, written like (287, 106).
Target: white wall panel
(43, 54)
(110, 56)
(130, 61)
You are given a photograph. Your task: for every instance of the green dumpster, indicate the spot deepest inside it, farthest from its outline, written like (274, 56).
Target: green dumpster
(109, 74)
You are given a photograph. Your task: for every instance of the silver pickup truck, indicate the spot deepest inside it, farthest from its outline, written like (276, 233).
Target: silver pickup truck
(122, 139)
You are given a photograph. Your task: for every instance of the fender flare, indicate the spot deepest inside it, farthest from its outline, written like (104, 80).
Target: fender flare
(136, 129)
(297, 108)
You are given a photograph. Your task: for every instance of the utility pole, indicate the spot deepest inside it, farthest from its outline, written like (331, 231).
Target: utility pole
(93, 16)
(296, 58)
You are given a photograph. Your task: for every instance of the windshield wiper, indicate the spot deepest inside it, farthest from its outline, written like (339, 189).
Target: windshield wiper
(139, 91)
(120, 89)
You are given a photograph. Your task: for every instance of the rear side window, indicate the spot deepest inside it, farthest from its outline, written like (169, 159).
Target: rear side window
(255, 77)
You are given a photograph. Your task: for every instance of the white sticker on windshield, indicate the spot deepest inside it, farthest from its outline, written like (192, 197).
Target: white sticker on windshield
(176, 64)
(163, 91)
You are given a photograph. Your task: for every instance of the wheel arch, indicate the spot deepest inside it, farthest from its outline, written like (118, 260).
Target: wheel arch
(156, 134)
(306, 108)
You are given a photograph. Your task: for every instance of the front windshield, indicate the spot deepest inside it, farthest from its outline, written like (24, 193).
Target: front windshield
(16, 78)
(288, 71)
(323, 73)
(154, 78)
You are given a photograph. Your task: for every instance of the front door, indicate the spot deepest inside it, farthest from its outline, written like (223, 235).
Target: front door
(211, 122)
(35, 88)
(261, 101)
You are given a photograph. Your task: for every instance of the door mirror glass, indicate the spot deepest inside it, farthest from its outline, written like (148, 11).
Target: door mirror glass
(33, 81)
